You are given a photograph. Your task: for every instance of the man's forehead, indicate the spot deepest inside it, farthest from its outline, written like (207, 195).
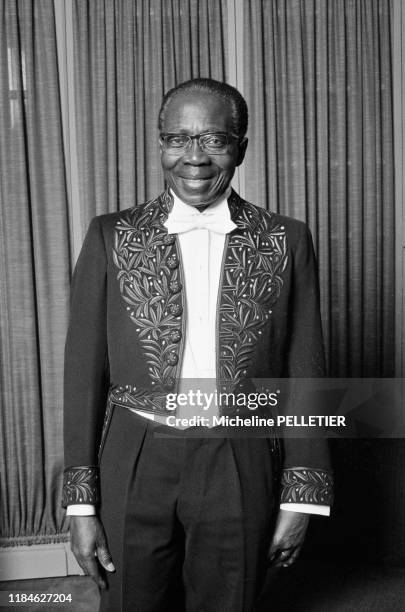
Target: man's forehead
(203, 105)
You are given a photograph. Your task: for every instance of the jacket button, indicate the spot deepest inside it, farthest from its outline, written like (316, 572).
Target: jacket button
(175, 286)
(172, 358)
(175, 335)
(169, 239)
(172, 261)
(168, 383)
(175, 309)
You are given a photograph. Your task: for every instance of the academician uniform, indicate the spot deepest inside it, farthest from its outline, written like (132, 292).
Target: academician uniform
(133, 335)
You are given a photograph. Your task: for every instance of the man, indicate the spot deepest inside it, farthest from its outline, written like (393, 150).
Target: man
(196, 284)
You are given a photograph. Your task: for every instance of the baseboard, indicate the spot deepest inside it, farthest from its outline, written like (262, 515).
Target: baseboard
(38, 561)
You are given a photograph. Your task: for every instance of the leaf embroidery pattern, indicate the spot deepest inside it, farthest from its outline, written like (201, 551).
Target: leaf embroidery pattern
(306, 486)
(147, 259)
(256, 258)
(80, 485)
(129, 396)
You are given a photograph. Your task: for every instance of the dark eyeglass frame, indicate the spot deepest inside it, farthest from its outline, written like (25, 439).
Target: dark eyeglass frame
(229, 138)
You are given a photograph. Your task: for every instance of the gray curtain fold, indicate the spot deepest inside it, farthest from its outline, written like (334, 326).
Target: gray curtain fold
(127, 54)
(34, 275)
(318, 84)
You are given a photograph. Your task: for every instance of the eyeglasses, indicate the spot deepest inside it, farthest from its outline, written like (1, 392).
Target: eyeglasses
(213, 143)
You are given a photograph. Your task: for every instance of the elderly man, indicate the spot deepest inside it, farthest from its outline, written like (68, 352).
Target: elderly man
(195, 284)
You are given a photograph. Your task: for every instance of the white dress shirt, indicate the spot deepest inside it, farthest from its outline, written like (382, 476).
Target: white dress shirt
(201, 237)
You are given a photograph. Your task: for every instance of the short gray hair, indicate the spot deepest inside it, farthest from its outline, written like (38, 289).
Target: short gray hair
(225, 92)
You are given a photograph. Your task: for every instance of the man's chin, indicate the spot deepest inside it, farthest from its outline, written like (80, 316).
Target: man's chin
(197, 195)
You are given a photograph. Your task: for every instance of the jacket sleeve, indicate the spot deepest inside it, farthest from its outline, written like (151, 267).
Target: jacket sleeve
(306, 475)
(86, 371)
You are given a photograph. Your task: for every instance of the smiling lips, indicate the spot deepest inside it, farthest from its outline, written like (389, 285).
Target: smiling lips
(196, 179)
(196, 183)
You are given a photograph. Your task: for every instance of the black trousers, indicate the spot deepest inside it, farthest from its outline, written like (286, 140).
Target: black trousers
(188, 519)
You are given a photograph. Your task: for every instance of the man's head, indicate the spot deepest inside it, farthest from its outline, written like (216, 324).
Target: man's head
(199, 170)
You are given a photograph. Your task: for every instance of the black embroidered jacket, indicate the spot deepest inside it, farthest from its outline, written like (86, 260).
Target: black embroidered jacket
(125, 339)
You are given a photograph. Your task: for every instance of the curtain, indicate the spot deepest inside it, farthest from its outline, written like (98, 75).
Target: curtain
(34, 275)
(318, 84)
(127, 55)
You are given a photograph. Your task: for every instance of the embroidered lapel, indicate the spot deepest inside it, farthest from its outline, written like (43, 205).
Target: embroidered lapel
(151, 282)
(255, 258)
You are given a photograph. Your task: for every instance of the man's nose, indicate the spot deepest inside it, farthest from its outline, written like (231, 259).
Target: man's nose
(195, 154)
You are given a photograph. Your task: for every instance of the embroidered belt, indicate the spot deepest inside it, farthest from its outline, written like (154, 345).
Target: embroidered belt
(154, 403)
(139, 398)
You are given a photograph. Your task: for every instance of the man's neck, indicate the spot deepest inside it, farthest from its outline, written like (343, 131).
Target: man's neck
(202, 207)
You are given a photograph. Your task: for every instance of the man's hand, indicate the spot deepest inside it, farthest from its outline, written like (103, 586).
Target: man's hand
(288, 538)
(88, 540)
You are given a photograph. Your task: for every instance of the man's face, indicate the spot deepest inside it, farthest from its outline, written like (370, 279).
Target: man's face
(195, 176)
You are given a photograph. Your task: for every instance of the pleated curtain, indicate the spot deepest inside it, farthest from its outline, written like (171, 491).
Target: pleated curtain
(318, 82)
(34, 275)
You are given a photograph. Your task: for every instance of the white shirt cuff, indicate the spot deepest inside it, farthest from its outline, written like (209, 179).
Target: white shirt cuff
(307, 508)
(81, 510)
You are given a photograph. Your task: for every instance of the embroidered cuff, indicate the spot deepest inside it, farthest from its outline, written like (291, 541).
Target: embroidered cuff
(80, 485)
(306, 486)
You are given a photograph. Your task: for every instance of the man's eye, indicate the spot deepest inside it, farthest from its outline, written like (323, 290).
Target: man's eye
(215, 141)
(177, 141)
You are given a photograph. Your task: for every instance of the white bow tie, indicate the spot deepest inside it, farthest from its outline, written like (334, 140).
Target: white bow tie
(215, 220)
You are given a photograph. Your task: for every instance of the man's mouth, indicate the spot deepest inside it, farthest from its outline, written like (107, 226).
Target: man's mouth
(196, 179)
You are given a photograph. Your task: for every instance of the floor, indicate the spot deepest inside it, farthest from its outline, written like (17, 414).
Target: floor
(307, 587)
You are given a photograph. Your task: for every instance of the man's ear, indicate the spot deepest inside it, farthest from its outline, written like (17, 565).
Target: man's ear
(242, 150)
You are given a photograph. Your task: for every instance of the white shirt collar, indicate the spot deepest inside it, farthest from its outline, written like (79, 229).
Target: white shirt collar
(215, 218)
